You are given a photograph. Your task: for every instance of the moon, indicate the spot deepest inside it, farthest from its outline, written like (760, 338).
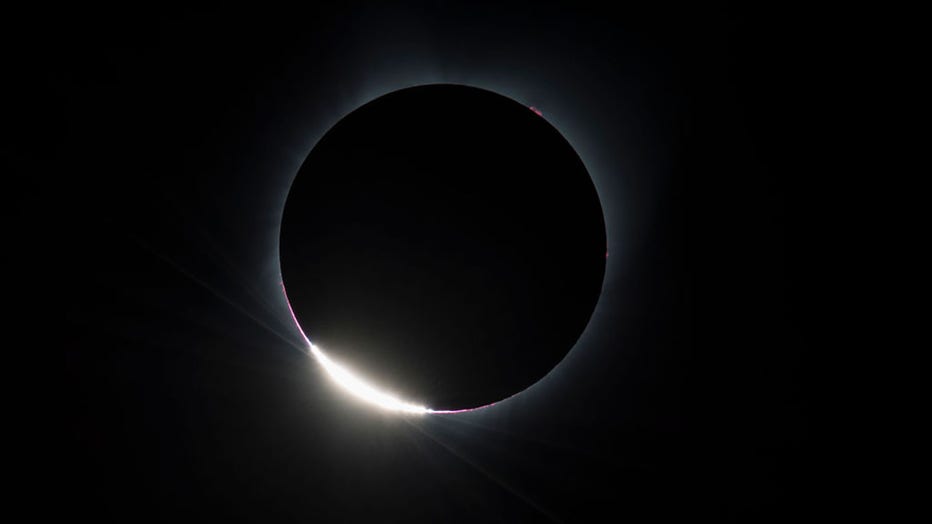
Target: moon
(442, 248)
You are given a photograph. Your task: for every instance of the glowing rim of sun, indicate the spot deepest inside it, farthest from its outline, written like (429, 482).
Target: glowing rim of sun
(356, 386)
(360, 388)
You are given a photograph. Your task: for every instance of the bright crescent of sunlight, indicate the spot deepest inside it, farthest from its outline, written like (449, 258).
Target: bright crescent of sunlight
(359, 388)
(356, 386)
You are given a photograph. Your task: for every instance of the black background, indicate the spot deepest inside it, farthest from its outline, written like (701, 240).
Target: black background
(154, 371)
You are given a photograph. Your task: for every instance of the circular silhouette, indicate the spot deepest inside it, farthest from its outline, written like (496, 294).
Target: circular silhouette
(446, 243)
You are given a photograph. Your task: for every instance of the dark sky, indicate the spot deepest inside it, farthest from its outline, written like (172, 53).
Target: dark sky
(150, 154)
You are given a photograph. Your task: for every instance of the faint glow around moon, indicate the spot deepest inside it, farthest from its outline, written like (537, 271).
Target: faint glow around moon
(358, 387)
(341, 375)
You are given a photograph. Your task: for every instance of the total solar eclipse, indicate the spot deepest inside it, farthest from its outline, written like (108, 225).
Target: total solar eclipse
(442, 248)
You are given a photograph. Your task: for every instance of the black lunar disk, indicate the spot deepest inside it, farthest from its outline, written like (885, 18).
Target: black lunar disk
(446, 243)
